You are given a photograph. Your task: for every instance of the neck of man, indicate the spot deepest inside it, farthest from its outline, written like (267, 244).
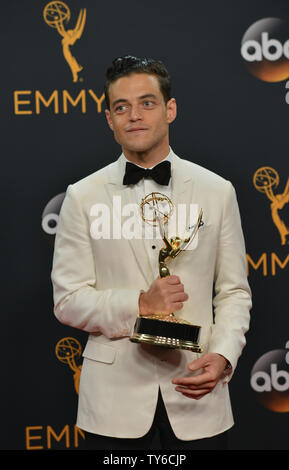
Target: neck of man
(150, 157)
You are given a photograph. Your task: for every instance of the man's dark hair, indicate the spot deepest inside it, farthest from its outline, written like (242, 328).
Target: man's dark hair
(126, 65)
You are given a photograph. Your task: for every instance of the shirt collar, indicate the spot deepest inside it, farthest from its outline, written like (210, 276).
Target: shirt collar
(168, 157)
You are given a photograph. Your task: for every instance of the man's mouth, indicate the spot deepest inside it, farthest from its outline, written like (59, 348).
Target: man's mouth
(137, 129)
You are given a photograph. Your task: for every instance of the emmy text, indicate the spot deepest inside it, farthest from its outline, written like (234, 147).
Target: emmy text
(46, 437)
(27, 102)
(267, 263)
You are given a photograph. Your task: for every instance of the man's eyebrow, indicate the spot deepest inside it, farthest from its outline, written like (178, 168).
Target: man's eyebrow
(123, 100)
(120, 100)
(148, 95)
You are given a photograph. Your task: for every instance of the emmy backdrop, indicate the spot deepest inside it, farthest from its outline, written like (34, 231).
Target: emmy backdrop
(229, 63)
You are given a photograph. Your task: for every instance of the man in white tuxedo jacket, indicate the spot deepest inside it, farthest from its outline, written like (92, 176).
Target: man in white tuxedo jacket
(103, 279)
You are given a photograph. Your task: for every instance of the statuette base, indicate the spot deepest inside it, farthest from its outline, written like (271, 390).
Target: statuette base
(167, 334)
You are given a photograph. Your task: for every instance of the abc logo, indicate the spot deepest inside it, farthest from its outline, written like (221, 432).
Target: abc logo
(50, 216)
(265, 49)
(270, 380)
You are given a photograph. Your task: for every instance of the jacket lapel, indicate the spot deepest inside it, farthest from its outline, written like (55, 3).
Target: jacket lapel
(126, 194)
(182, 193)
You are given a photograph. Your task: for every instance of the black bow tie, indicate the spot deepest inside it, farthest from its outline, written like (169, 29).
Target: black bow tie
(161, 173)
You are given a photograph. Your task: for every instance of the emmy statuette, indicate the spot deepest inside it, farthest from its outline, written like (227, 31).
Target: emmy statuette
(166, 330)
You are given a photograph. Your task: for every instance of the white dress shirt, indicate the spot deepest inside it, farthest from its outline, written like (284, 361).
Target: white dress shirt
(153, 240)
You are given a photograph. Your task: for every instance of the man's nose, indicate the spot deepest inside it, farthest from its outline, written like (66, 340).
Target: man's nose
(135, 113)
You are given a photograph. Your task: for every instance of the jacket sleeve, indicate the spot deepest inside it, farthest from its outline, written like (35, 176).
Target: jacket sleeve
(232, 297)
(77, 301)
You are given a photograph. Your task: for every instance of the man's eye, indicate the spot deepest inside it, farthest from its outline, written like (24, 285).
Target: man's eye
(120, 108)
(148, 104)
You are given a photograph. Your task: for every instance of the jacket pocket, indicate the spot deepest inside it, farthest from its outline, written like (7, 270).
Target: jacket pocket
(99, 352)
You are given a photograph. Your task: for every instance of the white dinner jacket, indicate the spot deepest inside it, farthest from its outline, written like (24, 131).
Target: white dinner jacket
(96, 284)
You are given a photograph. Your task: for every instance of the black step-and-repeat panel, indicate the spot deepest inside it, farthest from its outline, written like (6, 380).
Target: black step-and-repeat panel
(229, 64)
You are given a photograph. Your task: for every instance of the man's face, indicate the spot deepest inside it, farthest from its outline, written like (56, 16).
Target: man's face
(138, 114)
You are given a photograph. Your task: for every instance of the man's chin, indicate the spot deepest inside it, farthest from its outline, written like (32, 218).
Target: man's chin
(139, 148)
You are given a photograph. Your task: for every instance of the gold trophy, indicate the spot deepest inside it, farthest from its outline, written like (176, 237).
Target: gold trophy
(167, 331)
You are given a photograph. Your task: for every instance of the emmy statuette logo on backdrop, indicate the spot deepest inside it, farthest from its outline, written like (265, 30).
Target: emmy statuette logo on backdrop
(58, 435)
(55, 14)
(66, 350)
(265, 180)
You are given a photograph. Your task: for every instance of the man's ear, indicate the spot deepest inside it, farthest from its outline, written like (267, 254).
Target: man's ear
(108, 118)
(171, 110)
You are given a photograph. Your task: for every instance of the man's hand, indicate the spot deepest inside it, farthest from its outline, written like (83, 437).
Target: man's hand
(212, 365)
(165, 296)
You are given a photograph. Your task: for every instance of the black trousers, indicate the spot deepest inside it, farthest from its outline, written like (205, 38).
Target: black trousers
(160, 436)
